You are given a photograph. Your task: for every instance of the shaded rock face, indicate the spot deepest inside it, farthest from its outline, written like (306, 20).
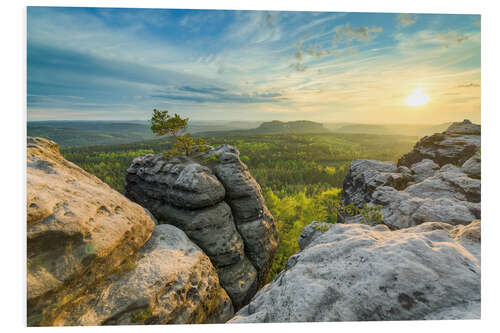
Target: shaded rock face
(425, 190)
(168, 281)
(358, 272)
(82, 235)
(213, 198)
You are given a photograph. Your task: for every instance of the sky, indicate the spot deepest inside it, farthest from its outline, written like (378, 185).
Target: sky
(120, 64)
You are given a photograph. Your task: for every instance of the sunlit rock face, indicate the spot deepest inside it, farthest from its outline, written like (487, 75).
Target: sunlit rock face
(440, 180)
(356, 272)
(168, 281)
(212, 197)
(95, 257)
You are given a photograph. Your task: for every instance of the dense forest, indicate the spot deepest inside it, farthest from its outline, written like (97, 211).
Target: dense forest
(301, 175)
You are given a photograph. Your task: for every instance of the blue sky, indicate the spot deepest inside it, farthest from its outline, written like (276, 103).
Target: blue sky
(104, 63)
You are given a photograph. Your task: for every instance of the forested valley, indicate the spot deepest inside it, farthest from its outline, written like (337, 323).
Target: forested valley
(301, 175)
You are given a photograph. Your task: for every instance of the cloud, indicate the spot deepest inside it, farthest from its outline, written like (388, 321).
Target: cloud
(215, 95)
(362, 33)
(434, 39)
(405, 20)
(344, 34)
(299, 67)
(452, 37)
(250, 28)
(96, 66)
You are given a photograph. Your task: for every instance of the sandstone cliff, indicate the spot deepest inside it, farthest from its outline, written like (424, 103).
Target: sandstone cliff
(95, 257)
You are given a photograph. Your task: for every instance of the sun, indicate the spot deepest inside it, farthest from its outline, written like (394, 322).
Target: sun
(417, 98)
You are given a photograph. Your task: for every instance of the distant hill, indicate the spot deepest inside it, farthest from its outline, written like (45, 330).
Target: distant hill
(392, 129)
(92, 132)
(104, 132)
(89, 133)
(297, 127)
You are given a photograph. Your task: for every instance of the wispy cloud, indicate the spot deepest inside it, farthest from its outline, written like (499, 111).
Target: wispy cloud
(110, 63)
(342, 35)
(362, 33)
(216, 95)
(405, 20)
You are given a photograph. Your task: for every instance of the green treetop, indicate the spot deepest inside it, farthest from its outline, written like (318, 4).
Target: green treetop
(164, 124)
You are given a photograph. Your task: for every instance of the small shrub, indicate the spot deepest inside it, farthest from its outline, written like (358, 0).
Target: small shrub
(210, 159)
(141, 317)
(371, 214)
(322, 227)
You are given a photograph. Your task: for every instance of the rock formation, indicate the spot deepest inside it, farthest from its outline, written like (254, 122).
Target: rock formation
(356, 272)
(409, 267)
(87, 262)
(439, 180)
(213, 198)
(455, 145)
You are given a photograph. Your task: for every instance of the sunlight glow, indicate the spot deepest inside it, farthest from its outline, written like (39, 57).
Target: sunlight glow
(417, 98)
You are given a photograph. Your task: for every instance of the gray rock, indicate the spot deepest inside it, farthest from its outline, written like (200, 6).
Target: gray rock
(253, 220)
(402, 209)
(430, 190)
(443, 209)
(364, 177)
(360, 273)
(180, 182)
(472, 166)
(212, 197)
(169, 281)
(240, 281)
(212, 229)
(424, 169)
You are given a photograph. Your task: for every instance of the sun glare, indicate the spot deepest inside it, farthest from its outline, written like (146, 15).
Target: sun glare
(417, 98)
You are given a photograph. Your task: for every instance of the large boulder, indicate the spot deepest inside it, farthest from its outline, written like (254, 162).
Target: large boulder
(212, 197)
(78, 229)
(168, 281)
(425, 190)
(83, 238)
(472, 167)
(362, 273)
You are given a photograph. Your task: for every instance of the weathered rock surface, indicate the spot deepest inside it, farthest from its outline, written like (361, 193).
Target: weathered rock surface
(168, 281)
(213, 198)
(443, 182)
(357, 273)
(87, 262)
(472, 167)
(78, 229)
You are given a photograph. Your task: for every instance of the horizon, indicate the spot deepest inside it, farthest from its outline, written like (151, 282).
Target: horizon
(117, 64)
(251, 121)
